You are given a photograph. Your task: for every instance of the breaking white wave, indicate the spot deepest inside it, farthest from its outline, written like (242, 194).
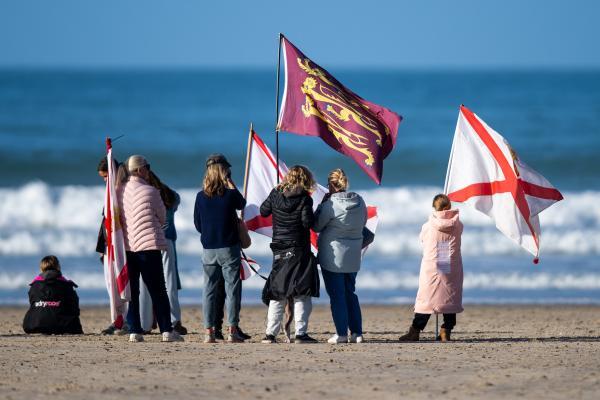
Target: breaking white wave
(38, 219)
(385, 280)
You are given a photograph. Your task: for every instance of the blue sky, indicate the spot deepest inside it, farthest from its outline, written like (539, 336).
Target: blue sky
(404, 34)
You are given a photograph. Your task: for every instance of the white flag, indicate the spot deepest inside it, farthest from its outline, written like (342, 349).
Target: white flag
(262, 178)
(486, 173)
(249, 267)
(115, 262)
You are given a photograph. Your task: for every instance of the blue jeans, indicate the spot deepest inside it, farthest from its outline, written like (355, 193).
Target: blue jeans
(345, 308)
(222, 265)
(148, 264)
(169, 258)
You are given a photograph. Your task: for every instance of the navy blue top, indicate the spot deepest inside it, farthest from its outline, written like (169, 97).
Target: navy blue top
(216, 220)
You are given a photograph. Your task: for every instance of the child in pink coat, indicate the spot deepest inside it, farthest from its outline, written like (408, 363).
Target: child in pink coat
(441, 277)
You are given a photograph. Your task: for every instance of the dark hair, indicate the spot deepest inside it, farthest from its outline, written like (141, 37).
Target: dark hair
(166, 193)
(441, 202)
(103, 164)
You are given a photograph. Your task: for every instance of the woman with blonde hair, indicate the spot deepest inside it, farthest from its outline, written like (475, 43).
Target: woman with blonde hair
(143, 215)
(340, 219)
(294, 274)
(216, 220)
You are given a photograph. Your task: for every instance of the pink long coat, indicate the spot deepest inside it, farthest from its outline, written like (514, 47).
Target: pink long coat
(441, 277)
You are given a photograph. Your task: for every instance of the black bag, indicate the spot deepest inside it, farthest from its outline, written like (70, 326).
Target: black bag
(245, 240)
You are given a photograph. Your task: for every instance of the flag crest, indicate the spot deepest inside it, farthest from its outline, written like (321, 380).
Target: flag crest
(316, 104)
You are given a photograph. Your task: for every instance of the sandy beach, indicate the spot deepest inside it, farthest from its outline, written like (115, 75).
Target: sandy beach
(538, 352)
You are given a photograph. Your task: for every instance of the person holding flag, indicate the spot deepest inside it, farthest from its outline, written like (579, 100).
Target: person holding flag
(441, 276)
(118, 325)
(294, 273)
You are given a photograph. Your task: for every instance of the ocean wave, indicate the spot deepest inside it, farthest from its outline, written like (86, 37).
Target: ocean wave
(385, 280)
(37, 219)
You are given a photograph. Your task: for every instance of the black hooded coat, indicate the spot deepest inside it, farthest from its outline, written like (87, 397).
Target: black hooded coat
(53, 306)
(294, 271)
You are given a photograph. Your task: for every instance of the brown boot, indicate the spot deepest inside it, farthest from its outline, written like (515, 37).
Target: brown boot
(411, 336)
(444, 335)
(234, 335)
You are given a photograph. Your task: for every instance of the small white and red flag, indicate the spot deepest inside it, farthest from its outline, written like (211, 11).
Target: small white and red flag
(249, 267)
(261, 178)
(115, 262)
(486, 173)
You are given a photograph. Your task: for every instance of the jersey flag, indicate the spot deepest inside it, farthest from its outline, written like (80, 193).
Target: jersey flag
(262, 178)
(115, 262)
(485, 172)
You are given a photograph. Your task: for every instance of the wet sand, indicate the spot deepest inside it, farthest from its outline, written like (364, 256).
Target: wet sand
(499, 352)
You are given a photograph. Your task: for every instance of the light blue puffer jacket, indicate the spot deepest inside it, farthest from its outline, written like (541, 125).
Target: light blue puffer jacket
(340, 221)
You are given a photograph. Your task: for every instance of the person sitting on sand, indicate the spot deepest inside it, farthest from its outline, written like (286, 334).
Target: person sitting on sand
(340, 218)
(441, 276)
(53, 303)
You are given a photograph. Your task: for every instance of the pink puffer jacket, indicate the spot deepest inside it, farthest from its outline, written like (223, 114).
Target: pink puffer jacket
(441, 277)
(143, 215)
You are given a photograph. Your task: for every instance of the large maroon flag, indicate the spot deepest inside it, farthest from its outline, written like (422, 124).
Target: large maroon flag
(316, 104)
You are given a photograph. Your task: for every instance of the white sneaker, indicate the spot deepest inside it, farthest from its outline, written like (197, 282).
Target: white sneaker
(136, 337)
(354, 338)
(335, 339)
(171, 337)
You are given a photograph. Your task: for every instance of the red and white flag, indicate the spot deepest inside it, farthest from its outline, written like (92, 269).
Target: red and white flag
(249, 267)
(486, 173)
(262, 178)
(115, 262)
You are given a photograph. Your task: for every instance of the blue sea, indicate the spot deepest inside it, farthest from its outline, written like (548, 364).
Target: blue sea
(53, 124)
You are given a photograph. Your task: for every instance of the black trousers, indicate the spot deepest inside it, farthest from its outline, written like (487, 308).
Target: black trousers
(148, 264)
(420, 321)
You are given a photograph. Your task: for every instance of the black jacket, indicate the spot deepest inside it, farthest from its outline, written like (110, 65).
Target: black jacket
(101, 242)
(294, 271)
(292, 216)
(54, 306)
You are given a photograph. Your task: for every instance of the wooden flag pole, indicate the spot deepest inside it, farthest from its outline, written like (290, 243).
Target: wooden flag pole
(246, 170)
(277, 106)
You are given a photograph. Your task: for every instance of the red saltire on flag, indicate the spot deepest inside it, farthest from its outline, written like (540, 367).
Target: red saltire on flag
(249, 267)
(262, 178)
(115, 262)
(486, 173)
(317, 104)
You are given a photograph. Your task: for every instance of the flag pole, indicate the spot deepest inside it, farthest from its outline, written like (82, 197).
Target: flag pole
(277, 106)
(246, 170)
